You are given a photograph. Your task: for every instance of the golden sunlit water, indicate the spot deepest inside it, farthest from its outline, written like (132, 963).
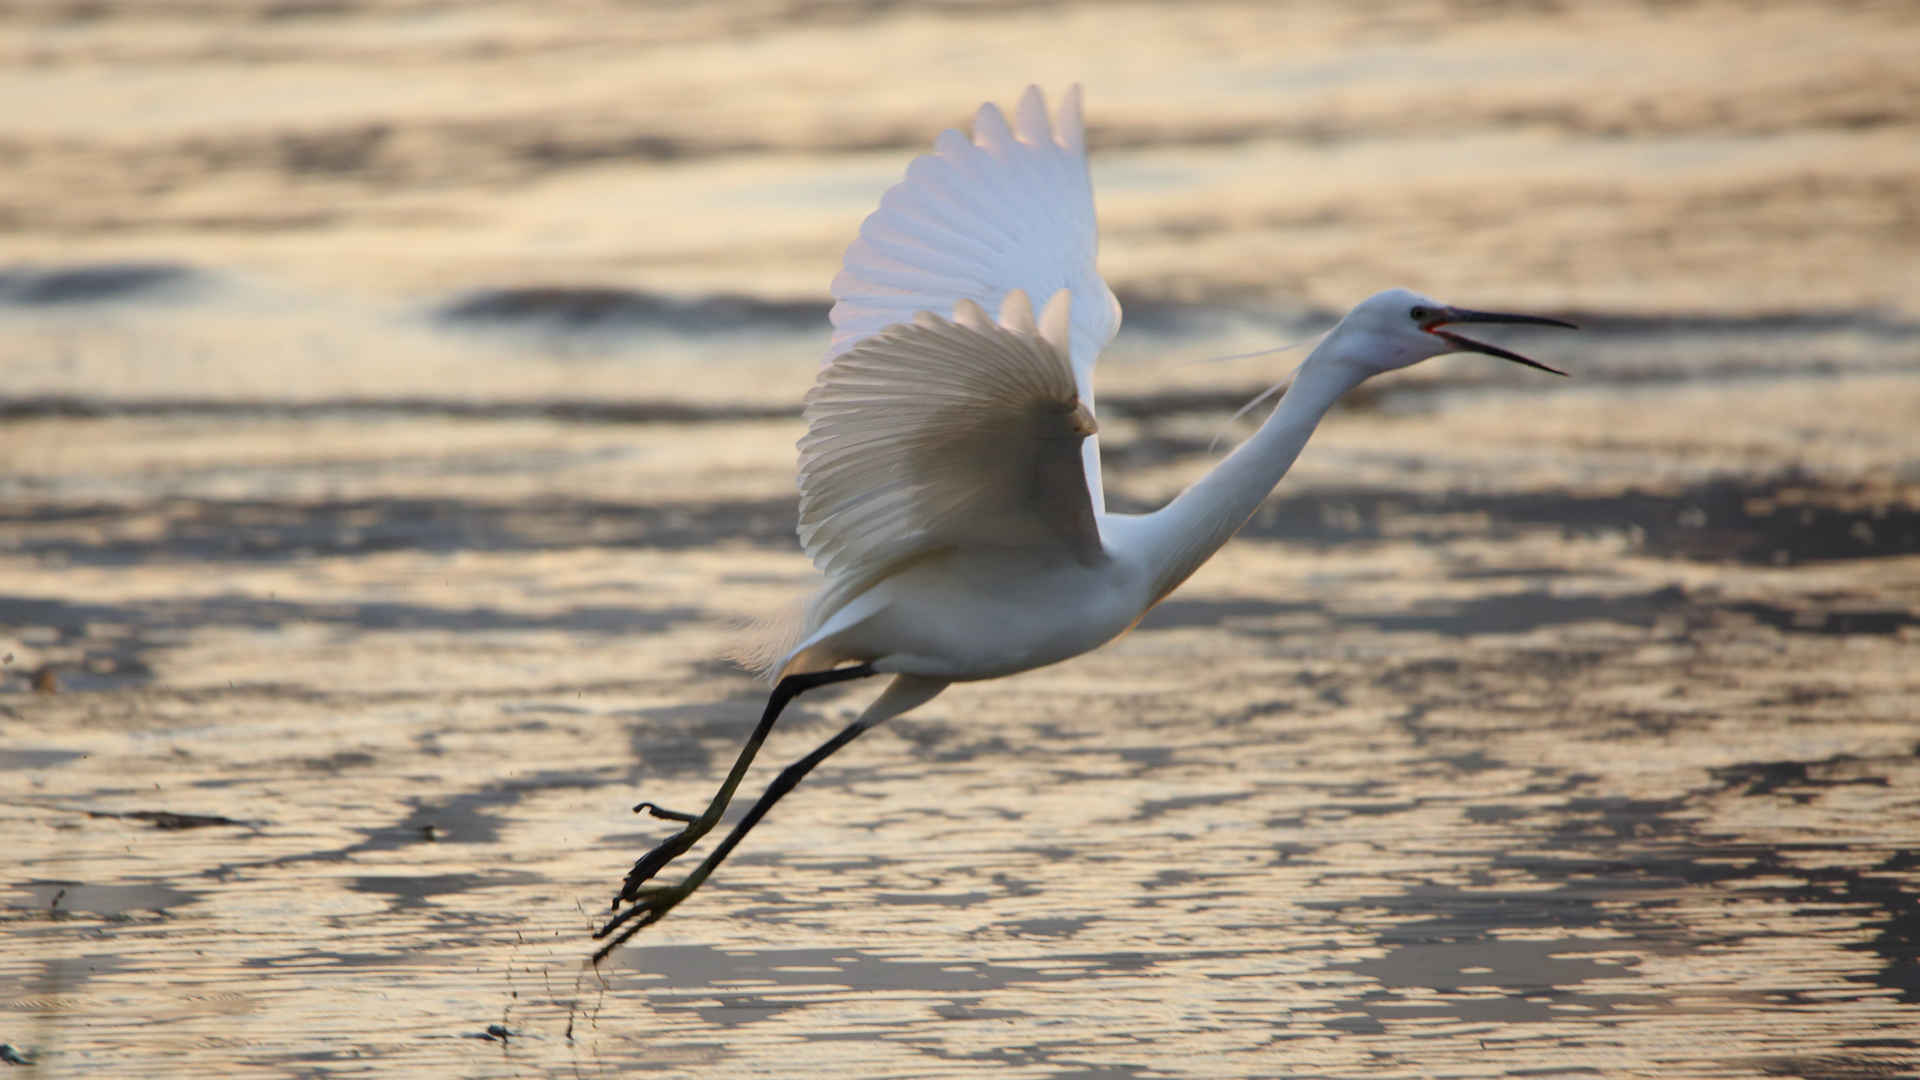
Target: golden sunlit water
(398, 429)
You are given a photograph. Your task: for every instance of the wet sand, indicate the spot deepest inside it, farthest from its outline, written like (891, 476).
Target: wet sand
(388, 465)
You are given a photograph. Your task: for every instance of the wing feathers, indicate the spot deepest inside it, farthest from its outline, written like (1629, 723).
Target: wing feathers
(1016, 313)
(1010, 208)
(1031, 118)
(1073, 128)
(939, 433)
(1056, 322)
(990, 127)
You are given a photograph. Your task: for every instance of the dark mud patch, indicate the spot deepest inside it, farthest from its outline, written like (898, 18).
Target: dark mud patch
(36, 757)
(568, 410)
(106, 646)
(27, 286)
(1618, 864)
(588, 307)
(1519, 613)
(60, 898)
(1525, 612)
(167, 819)
(1615, 874)
(270, 531)
(1058, 928)
(1800, 780)
(473, 817)
(1801, 620)
(1881, 881)
(415, 890)
(83, 654)
(732, 987)
(1843, 1066)
(1784, 520)
(1531, 980)
(676, 742)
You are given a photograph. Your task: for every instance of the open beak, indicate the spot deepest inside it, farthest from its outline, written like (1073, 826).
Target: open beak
(1451, 315)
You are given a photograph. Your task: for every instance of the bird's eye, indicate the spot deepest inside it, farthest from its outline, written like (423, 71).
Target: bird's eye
(1420, 313)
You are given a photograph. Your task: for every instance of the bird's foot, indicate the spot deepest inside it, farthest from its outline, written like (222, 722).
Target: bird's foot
(650, 904)
(663, 813)
(656, 860)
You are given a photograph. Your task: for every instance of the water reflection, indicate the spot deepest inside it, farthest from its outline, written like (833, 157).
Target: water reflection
(1524, 732)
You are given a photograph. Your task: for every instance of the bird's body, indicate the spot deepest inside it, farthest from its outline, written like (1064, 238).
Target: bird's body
(977, 632)
(989, 610)
(950, 484)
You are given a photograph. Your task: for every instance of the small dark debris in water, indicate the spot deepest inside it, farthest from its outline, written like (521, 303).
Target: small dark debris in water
(167, 819)
(12, 1056)
(495, 1032)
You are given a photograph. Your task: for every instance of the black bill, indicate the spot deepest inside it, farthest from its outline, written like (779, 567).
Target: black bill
(1453, 315)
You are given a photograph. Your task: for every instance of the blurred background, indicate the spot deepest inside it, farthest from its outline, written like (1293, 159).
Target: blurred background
(349, 180)
(397, 420)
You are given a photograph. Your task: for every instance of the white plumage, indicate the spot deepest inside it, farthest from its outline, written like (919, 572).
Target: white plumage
(950, 489)
(935, 434)
(1012, 208)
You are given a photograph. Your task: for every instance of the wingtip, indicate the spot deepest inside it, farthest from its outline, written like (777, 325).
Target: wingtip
(1056, 321)
(1070, 128)
(950, 143)
(972, 315)
(1031, 118)
(1016, 312)
(1032, 124)
(990, 127)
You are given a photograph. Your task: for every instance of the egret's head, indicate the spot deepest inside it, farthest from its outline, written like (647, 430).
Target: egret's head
(1396, 328)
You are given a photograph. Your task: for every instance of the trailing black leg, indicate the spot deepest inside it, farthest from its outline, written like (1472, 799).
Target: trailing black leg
(652, 902)
(696, 827)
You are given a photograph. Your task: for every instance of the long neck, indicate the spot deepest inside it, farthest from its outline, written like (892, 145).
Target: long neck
(1188, 530)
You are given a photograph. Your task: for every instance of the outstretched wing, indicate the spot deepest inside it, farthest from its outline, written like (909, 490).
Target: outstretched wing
(974, 220)
(935, 434)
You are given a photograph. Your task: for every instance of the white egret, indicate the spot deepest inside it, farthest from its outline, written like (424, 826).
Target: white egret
(950, 487)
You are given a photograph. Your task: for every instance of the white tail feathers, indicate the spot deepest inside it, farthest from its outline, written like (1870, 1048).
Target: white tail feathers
(760, 643)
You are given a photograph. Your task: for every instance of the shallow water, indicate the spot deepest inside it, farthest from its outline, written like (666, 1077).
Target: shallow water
(388, 464)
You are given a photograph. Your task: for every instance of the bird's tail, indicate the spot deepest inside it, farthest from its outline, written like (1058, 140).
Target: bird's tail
(759, 644)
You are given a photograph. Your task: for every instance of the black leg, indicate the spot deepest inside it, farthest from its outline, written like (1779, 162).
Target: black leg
(678, 844)
(652, 907)
(650, 903)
